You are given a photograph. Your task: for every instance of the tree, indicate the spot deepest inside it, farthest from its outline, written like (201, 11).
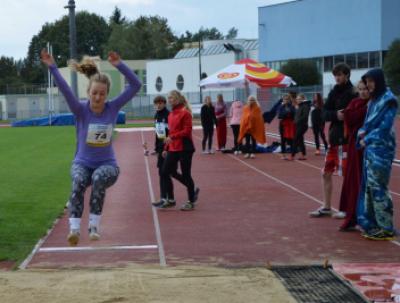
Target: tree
(92, 34)
(145, 38)
(116, 17)
(392, 66)
(232, 33)
(8, 74)
(304, 72)
(208, 34)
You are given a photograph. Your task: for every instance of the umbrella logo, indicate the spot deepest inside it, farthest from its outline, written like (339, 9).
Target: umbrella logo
(225, 76)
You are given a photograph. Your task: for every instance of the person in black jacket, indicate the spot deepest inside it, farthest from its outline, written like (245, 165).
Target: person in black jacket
(338, 99)
(301, 122)
(161, 130)
(208, 120)
(318, 123)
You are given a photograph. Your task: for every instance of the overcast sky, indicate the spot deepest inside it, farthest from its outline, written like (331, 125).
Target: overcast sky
(21, 19)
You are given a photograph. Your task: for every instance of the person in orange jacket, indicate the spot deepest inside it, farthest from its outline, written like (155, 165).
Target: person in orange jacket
(252, 127)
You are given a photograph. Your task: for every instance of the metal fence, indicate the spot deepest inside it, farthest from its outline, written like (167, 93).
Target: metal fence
(27, 105)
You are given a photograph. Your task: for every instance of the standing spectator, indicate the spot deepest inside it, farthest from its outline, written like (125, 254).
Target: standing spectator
(220, 113)
(252, 127)
(335, 160)
(179, 148)
(375, 206)
(318, 123)
(354, 116)
(286, 116)
(301, 123)
(208, 120)
(235, 113)
(161, 129)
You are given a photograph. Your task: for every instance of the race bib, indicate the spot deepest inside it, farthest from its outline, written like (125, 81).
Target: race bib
(99, 135)
(161, 130)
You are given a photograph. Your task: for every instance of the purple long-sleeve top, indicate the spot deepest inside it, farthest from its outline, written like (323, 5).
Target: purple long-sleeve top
(94, 131)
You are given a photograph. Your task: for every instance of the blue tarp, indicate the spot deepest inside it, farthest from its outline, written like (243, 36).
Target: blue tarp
(59, 119)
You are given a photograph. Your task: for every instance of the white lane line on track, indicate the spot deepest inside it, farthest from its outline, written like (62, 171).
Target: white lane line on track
(161, 251)
(28, 260)
(279, 181)
(396, 162)
(320, 168)
(290, 186)
(98, 248)
(285, 184)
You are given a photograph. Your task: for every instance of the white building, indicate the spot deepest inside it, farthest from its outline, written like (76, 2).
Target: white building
(183, 71)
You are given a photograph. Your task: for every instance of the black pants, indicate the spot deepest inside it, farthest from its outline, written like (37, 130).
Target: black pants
(285, 141)
(250, 144)
(299, 145)
(208, 133)
(164, 194)
(235, 130)
(319, 131)
(170, 169)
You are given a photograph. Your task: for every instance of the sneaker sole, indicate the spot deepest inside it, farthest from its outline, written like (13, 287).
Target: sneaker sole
(73, 239)
(320, 215)
(388, 238)
(166, 207)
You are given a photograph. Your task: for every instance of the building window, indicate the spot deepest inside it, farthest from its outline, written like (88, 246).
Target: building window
(351, 60)
(384, 53)
(362, 60)
(180, 82)
(328, 63)
(338, 59)
(374, 59)
(159, 84)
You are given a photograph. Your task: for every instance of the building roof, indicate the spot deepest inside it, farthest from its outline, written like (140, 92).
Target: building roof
(216, 47)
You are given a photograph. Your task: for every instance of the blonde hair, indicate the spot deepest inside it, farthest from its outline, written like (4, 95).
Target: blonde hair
(89, 68)
(252, 98)
(181, 99)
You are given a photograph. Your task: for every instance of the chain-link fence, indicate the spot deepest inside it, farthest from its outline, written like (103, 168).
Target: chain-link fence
(27, 105)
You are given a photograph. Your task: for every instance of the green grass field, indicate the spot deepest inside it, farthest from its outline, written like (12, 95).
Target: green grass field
(35, 184)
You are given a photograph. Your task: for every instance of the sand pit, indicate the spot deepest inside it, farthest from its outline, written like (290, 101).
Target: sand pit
(143, 284)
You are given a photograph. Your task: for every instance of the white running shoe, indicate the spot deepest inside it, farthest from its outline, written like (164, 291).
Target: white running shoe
(93, 233)
(339, 215)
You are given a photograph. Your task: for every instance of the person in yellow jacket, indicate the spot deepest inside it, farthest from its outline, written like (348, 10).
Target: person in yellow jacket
(252, 127)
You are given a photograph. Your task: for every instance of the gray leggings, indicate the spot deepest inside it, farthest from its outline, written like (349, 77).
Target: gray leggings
(82, 177)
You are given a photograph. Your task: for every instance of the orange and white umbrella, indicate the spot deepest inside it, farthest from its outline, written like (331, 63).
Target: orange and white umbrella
(244, 72)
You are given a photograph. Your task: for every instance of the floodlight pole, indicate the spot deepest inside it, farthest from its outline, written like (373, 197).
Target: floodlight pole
(72, 43)
(50, 87)
(201, 89)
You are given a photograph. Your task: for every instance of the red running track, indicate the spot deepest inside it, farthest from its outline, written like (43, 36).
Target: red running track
(250, 212)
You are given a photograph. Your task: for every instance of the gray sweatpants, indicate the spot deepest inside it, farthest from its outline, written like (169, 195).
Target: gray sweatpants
(82, 177)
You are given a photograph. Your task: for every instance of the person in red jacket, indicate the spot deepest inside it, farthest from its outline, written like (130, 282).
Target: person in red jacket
(354, 116)
(179, 148)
